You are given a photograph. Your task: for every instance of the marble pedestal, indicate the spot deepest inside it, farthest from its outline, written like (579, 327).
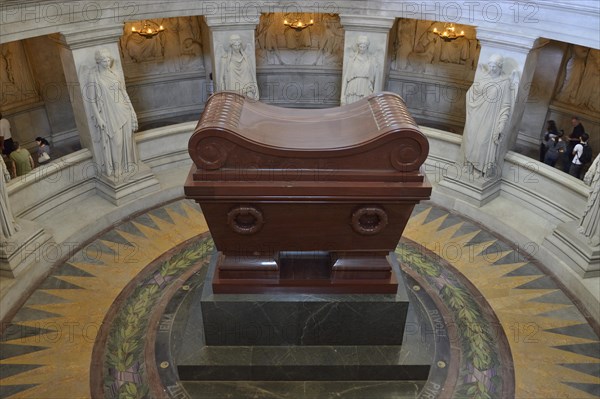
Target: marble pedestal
(575, 250)
(474, 190)
(22, 249)
(314, 339)
(303, 319)
(129, 186)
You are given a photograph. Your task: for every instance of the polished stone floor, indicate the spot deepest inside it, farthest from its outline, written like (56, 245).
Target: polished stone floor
(115, 320)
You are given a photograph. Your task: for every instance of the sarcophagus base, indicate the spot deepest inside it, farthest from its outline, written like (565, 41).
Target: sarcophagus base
(305, 272)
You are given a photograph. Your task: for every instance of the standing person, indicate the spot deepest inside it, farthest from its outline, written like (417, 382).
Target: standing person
(43, 151)
(555, 147)
(113, 115)
(22, 160)
(6, 141)
(551, 132)
(578, 131)
(578, 162)
(360, 74)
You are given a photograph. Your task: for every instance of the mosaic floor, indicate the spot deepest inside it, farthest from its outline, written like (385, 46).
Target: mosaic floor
(89, 329)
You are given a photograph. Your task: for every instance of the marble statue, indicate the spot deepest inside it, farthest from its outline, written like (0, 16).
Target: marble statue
(360, 73)
(113, 116)
(8, 227)
(489, 104)
(590, 220)
(237, 70)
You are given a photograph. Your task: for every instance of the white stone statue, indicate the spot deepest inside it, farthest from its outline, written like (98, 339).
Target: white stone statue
(489, 104)
(8, 227)
(113, 116)
(590, 220)
(360, 73)
(237, 70)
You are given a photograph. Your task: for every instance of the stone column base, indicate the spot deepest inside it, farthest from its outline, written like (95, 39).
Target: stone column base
(22, 249)
(129, 186)
(575, 249)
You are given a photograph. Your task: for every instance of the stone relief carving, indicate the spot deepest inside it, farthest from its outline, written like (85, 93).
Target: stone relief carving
(489, 104)
(319, 44)
(425, 52)
(360, 76)
(112, 115)
(236, 69)
(17, 84)
(590, 220)
(416, 47)
(177, 49)
(588, 94)
(581, 77)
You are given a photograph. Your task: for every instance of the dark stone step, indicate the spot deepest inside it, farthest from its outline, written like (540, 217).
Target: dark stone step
(303, 389)
(302, 363)
(304, 373)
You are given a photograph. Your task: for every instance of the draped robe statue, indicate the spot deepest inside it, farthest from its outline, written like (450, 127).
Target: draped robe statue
(360, 74)
(113, 116)
(8, 227)
(237, 70)
(489, 106)
(588, 226)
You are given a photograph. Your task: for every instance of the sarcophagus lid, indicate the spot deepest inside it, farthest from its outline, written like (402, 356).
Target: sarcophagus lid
(370, 148)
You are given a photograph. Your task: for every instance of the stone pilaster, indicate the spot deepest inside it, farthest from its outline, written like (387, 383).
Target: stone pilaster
(520, 57)
(220, 31)
(77, 52)
(377, 31)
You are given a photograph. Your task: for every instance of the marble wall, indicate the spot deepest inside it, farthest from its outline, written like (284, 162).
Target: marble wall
(299, 68)
(20, 99)
(431, 74)
(165, 74)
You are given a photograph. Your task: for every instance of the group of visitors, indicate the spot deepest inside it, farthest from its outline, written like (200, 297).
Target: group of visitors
(18, 159)
(573, 151)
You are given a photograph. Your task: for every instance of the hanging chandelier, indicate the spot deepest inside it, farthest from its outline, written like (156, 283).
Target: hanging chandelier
(297, 24)
(449, 32)
(148, 29)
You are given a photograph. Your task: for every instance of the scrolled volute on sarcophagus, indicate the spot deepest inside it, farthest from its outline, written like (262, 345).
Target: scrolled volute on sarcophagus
(306, 200)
